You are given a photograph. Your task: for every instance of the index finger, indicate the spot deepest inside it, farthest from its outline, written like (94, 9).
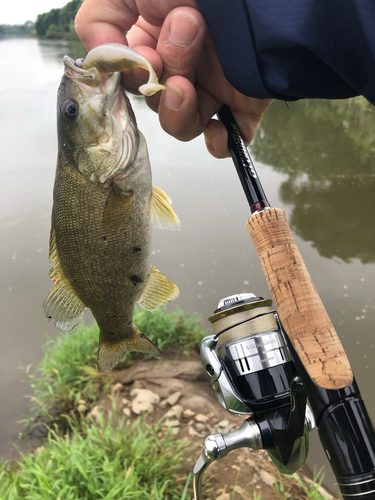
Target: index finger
(104, 21)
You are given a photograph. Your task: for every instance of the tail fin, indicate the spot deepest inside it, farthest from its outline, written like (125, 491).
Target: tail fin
(110, 353)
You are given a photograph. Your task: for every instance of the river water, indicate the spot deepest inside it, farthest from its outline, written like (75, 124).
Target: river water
(315, 160)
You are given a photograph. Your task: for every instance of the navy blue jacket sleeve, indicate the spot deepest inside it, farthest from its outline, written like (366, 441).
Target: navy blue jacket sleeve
(293, 49)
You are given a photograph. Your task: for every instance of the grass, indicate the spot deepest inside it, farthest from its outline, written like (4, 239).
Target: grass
(311, 491)
(105, 461)
(66, 381)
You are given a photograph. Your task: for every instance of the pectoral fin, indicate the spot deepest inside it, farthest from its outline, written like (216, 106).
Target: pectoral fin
(158, 291)
(162, 212)
(111, 353)
(62, 304)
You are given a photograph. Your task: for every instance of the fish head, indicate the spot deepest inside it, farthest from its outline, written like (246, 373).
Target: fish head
(97, 130)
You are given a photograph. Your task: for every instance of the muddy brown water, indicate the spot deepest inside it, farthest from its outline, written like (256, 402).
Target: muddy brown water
(316, 161)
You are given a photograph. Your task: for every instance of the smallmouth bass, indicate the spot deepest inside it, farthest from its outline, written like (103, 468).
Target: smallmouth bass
(103, 203)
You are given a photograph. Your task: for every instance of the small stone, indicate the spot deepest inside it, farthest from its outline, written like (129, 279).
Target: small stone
(117, 387)
(223, 423)
(173, 398)
(235, 467)
(124, 402)
(171, 423)
(187, 413)
(241, 491)
(126, 412)
(256, 478)
(266, 477)
(223, 496)
(175, 430)
(95, 414)
(193, 432)
(201, 418)
(143, 401)
(200, 427)
(174, 412)
(251, 463)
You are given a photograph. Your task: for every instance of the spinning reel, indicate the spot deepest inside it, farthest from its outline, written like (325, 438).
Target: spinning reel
(253, 374)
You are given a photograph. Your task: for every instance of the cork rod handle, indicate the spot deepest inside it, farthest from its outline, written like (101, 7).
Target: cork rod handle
(297, 302)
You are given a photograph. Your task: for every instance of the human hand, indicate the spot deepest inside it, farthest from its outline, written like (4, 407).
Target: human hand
(173, 36)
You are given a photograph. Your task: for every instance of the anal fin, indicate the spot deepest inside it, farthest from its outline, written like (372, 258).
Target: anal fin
(158, 291)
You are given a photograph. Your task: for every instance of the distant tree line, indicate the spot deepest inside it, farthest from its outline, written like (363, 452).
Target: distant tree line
(18, 29)
(58, 23)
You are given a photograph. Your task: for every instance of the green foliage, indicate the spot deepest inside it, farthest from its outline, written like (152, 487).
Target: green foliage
(105, 461)
(58, 23)
(312, 491)
(17, 29)
(171, 329)
(66, 381)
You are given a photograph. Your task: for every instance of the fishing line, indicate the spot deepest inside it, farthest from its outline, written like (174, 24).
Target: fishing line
(218, 199)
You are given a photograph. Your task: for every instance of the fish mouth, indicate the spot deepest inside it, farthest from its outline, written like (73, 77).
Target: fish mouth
(92, 83)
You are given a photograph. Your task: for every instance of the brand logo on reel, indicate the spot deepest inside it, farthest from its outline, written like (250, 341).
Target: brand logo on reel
(261, 344)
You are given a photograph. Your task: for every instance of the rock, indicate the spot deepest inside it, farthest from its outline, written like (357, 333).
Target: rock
(266, 477)
(143, 400)
(235, 467)
(187, 413)
(223, 424)
(241, 491)
(95, 414)
(126, 412)
(251, 463)
(193, 432)
(173, 398)
(174, 412)
(200, 427)
(223, 496)
(256, 478)
(171, 423)
(198, 403)
(117, 387)
(201, 418)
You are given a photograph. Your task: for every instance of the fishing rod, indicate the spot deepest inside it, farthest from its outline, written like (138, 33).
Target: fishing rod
(266, 363)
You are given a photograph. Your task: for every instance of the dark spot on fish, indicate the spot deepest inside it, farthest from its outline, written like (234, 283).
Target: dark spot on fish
(104, 238)
(49, 317)
(134, 279)
(136, 249)
(111, 333)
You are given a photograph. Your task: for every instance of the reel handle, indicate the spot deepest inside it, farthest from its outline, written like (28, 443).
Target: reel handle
(297, 301)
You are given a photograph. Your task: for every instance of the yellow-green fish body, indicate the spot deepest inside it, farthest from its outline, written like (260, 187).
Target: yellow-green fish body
(101, 219)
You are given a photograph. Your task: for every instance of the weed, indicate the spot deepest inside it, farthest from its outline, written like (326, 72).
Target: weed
(105, 461)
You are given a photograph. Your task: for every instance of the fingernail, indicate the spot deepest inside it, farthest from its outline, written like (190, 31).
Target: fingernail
(207, 136)
(173, 97)
(184, 29)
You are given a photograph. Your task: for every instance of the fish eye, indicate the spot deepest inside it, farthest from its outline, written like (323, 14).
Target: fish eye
(70, 110)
